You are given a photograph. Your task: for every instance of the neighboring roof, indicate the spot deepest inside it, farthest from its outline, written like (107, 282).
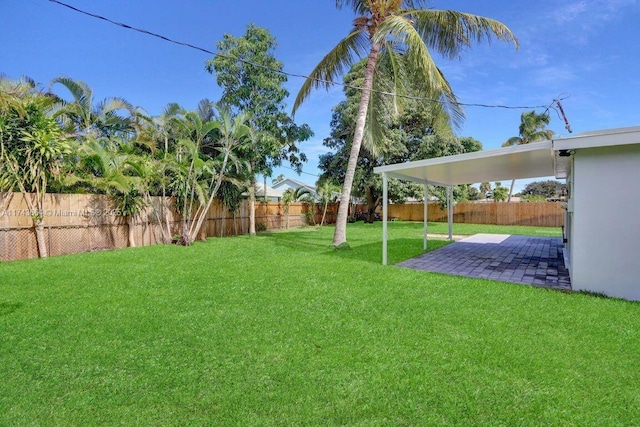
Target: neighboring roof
(533, 160)
(295, 183)
(271, 192)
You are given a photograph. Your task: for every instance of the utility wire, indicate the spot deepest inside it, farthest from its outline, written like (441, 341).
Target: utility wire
(306, 173)
(327, 82)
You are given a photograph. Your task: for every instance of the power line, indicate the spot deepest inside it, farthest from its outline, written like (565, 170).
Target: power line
(306, 173)
(328, 82)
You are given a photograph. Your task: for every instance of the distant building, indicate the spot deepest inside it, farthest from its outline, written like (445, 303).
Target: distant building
(286, 183)
(273, 195)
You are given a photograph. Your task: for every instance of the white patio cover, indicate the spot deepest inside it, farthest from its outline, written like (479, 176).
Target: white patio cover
(518, 162)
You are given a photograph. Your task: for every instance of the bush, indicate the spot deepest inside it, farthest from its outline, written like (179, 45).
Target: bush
(533, 198)
(261, 226)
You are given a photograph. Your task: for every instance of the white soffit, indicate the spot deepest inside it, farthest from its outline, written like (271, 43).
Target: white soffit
(518, 162)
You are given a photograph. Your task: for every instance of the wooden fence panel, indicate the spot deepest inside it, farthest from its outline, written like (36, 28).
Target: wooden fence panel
(539, 214)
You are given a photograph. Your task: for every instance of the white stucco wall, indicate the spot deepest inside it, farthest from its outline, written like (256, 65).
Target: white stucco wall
(605, 251)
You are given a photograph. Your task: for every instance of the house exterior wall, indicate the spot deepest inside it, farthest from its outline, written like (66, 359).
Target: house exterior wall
(605, 233)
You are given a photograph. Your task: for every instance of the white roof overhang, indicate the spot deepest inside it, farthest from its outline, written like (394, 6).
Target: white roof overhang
(535, 160)
(517, 162)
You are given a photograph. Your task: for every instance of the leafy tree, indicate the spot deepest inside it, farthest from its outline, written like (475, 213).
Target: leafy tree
(31, 163)
(460, 194)
(400, 33)
(473, 193)
(485, 187)
(249, 73)
(231, 196)
(499, 192)
(163, 133)
(546, 189)
(532, 129)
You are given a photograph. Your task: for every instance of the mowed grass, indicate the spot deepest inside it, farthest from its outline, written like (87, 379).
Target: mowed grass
(283, 330)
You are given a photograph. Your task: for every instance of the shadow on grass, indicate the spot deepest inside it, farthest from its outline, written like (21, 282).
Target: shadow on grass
(311, 240)
(7, 308)
(319, 241)
(398, 250)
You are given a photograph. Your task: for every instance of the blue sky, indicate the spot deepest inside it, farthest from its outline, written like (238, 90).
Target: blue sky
(584, 50)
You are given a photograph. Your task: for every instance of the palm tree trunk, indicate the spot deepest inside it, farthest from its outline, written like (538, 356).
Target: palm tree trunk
(42, 245)
(130, 225)
(252, 208)
(340, 234)
(324, 212)
(513, 181)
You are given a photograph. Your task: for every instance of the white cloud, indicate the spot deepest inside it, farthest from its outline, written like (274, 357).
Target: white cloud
(553, 76)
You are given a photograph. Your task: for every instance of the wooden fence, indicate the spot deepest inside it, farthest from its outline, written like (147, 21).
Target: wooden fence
(82, 223)
(539, 214)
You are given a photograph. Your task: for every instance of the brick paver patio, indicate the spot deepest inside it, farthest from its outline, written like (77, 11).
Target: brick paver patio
(526, 260)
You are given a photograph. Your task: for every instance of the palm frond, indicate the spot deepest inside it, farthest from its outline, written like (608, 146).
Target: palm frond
(360, 7)
(418, 56)
(80, 91)
(514, 140)
(331, 67)
(113, 104)
(205, 110)
(449, 32)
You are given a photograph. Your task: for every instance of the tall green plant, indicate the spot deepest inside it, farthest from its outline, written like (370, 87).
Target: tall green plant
(32, 163)
(205, 156)
(106, 167)
(248, 72)
(328, 192)
(293, 195)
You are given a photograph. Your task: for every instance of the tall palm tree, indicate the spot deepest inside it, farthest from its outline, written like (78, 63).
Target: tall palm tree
(402, 32)
(532, 129)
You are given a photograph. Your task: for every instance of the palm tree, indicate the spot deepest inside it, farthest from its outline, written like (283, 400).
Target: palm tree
(403, 33)
(107, 168)
(81, 116)
(204, 158)
(532, 129)
(328, 192)
(292, 195)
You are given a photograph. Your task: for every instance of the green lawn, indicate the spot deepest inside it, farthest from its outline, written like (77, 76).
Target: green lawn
(283, 330)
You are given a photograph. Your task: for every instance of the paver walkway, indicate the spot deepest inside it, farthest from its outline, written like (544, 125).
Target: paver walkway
(526, 260)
